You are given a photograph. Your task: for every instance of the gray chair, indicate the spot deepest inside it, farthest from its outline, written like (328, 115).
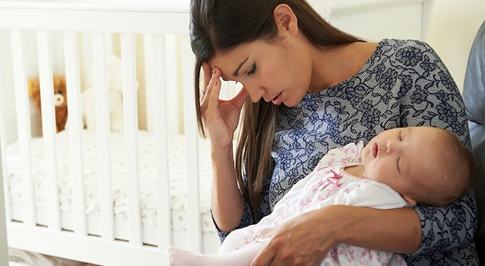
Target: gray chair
(474, 97)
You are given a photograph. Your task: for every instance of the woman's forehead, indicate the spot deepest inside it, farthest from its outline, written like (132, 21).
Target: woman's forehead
(230, 62)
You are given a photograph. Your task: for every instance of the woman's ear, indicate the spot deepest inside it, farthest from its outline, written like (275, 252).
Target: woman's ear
(285, 19)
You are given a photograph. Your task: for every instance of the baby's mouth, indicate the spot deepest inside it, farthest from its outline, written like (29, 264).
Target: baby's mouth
(375, 150)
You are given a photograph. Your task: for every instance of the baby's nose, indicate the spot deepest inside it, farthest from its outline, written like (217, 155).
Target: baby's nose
(392, 146)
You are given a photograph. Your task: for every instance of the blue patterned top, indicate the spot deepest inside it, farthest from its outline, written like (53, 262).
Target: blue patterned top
(404, 83)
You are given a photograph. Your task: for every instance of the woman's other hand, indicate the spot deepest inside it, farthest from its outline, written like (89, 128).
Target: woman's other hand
(220, 117)
(306, 239)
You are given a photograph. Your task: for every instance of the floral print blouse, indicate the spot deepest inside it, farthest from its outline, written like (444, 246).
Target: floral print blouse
(404, 83)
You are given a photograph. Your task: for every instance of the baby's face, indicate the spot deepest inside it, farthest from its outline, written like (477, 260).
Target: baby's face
(403, 159)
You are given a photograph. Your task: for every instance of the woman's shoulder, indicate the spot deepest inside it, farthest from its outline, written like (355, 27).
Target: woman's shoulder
(406, 56)
(402, 43)
(404, 47)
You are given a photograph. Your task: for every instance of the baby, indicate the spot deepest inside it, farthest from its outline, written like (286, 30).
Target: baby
(399, 167)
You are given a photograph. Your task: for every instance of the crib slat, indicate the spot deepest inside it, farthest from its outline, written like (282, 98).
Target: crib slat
(71, 52)
(48, 126)
(23, 125)
(103, 131)
(194, 220)
(3, 153)
(4, 191)
(155, 80)
(3, 225)
(172, 59)
(130, 115)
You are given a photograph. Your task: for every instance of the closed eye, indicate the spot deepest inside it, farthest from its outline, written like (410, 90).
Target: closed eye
(252, 70)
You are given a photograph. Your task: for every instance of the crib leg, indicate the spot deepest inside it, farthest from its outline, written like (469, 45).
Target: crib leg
(3, 228)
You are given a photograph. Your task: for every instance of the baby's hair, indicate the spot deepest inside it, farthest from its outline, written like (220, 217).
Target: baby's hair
(457, 168)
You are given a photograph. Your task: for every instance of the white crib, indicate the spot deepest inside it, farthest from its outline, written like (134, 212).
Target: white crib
(49, 206)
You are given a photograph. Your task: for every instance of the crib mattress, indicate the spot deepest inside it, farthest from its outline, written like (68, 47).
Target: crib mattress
(147, 180)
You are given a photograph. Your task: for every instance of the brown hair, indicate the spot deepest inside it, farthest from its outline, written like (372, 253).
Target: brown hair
(221, 25)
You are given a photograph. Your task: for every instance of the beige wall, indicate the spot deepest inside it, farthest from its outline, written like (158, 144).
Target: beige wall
(453, 26)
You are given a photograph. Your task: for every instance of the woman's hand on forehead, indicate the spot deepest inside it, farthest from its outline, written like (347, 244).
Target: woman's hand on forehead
(221, 117)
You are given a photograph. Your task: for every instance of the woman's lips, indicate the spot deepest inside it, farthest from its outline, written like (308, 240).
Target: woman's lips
(277, 100)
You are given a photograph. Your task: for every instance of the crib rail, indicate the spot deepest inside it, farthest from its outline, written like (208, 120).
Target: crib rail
(58, 31)
(169, 18)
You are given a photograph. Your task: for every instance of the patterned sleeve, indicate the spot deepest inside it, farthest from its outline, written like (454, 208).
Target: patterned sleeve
(449, 227)
(436, 101)
(246, 220)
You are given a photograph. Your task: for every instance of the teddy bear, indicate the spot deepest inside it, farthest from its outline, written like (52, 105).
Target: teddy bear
(60, 98)
(115, 96)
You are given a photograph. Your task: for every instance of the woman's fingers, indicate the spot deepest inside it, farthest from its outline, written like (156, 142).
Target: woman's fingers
(221, 117)
(264, 257)
(207, 73)
(213, 89)
(212, 86)
(279, 255)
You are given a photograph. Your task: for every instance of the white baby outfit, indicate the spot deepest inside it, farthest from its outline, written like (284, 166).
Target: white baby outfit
(327, 185)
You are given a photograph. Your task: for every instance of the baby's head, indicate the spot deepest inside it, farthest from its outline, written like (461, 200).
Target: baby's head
(425, 165)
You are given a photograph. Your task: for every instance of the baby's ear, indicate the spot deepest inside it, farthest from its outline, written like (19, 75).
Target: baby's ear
(409, 200)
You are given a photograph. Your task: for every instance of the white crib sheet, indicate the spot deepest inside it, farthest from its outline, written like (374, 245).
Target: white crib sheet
(177, 170)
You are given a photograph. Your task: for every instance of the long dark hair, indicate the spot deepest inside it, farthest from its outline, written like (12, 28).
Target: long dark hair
(221, 25)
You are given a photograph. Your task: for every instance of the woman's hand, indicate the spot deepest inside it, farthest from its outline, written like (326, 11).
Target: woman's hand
(306, 239)
(220, 117)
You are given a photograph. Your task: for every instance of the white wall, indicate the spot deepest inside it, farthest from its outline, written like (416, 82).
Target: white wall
(453, 26)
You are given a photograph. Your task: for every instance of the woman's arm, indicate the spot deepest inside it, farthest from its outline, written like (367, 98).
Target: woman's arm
(220, 120)
(226, 201)
(449, 227)
(306, 239)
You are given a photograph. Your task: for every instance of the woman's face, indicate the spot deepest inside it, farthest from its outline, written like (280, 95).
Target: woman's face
(278, 72)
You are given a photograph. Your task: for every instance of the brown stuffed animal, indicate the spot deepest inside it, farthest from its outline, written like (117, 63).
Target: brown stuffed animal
(60, 98)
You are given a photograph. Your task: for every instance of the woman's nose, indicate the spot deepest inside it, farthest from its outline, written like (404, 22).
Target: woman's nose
(255, 93)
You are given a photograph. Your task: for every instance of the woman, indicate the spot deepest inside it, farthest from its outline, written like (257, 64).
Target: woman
(308, 88)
